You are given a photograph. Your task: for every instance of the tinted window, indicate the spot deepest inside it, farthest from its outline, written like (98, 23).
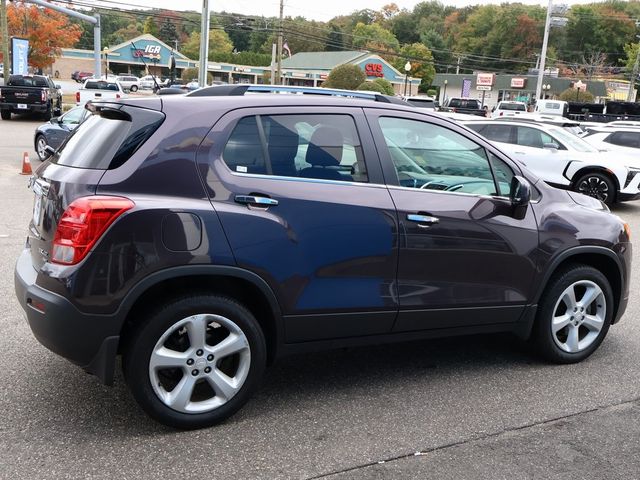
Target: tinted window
(625, 139)
(496, 133)
(102, 86)
(308, 146)
(431, 157)
(107, 140)
(513, 106)
(531, 137)
(26, 81)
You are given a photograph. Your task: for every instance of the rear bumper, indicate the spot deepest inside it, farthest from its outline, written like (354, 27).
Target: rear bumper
(13, 107)
(88, 340)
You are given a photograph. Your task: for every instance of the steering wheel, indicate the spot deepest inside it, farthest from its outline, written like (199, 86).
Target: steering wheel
(453, 188)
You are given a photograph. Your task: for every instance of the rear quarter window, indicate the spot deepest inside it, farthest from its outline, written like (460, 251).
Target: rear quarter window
(107, 139)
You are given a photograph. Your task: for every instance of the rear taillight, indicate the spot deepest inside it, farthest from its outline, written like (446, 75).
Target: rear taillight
(501, 114)
(77, 97)
(117, 95)
(43, 95)
(83, 223)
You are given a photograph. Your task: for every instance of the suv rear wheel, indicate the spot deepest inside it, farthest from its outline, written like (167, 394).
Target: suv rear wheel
(195, 361)
(574, 315)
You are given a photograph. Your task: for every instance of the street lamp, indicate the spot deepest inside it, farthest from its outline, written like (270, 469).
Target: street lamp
(407, 69)
(106, 62)
(545, 88)
(444, 92)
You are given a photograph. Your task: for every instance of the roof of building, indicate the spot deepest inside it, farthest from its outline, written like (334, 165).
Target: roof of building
(321, 60)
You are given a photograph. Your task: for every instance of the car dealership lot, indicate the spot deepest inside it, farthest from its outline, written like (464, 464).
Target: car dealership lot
(455, 399)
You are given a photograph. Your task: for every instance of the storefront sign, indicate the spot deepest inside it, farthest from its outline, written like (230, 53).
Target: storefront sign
(373, 70)
(485, 80)
(20, 49)
(150, 51)
(485, 88)
(518, 82)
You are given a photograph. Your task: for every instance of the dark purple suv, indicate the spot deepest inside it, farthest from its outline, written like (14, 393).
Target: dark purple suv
(202, 236)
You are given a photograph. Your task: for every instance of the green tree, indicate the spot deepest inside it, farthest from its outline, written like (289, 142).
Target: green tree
(219, 42)
(168, 32)
(346, 76)
(374, 37)
(387, 87)
(631, 50)
(150, 27)
(573, 95)
(421, 61)
(372, 87)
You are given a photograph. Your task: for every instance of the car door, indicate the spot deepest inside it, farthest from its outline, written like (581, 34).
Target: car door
(301, 198)
(466, 258)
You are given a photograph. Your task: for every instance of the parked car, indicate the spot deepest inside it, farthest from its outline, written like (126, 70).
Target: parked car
(428, 103)
(564, 160)
(53, 133)
(468, 106)
(29, 94)
(509, 109)
(99, 90)
(615, 138)
(129, 82)
(377, 223)
(80, 77)
(147, 82)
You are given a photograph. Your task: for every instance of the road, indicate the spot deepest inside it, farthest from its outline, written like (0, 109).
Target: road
(476, 407)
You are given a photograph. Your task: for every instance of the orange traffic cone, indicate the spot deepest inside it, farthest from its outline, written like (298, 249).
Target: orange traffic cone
(26, 165)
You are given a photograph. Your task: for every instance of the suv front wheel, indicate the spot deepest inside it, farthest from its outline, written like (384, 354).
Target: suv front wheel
(195, 361)
(574, 315)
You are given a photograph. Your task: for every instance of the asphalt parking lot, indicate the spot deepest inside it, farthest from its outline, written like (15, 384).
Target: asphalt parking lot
(466, 408)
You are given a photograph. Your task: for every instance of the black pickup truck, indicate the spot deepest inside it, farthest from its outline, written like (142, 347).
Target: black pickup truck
(467, 106)
(30, 93)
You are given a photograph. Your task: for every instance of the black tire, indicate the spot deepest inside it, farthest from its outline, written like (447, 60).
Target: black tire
(544, 340)
(46, 116)
(143, 341)
(133, 88)
(598, 185)
(5, 114)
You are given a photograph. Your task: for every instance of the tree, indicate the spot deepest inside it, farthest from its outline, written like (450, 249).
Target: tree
(168, 33)
(386, 85)
(574, 95)
(219, 42)
(47, 31)
(372, 87)
(345, 76)
(150, 27)
(374, 37)
(421, 61)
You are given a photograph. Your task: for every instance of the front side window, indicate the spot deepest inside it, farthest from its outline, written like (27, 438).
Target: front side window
(432, 157)
(531, 137)
(308, 146)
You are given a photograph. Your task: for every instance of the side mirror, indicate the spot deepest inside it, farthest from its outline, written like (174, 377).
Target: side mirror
(520, 194)
(55, 120)
(551, 146)
(58, 86)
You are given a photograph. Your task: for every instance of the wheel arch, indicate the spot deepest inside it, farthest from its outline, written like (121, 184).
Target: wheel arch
(600, 258)
(244, 286)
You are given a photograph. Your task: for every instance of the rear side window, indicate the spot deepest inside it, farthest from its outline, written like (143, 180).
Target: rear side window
(307, 146)
(496, 133)
(624, 139)
(107, 139)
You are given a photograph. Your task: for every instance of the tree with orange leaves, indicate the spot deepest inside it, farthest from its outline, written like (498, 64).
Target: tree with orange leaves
(47, 31)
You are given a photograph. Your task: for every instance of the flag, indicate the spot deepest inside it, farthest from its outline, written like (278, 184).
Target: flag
(286, 48)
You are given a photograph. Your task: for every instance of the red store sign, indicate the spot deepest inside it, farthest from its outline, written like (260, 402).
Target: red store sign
(373, 70)
(518, 82)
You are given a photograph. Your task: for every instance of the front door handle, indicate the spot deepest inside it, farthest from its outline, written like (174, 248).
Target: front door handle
(256, 200)
(422, 220)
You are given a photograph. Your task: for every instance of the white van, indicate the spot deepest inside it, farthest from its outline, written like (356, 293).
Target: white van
(552, 107)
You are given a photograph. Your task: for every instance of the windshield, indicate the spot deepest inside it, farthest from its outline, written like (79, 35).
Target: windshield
(572, 141)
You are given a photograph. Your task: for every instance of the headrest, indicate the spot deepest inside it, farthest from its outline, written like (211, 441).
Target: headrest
(325, 147)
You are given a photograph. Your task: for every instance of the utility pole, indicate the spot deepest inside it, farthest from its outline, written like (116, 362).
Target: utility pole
(279, 52)
(634, 75)
(204, 44)
(458, 65)
(543, 54)
(5, 39)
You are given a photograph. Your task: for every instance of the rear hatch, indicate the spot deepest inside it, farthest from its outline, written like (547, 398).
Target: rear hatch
(108, 137)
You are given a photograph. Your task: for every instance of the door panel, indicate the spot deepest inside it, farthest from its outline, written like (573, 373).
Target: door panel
(471, 262)
(327, 248)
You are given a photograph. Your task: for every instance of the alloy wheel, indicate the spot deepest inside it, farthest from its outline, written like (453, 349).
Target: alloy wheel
(578, 316)
(594, 186)
(199, 363)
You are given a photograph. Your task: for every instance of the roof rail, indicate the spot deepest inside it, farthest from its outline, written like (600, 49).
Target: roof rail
(241, 89)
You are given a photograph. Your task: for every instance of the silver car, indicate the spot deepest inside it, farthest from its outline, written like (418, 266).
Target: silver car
(129, 82)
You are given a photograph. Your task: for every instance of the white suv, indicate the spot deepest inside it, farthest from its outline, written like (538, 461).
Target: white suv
(129, 82)
(509, 109)
(564, 160)
(615, 138)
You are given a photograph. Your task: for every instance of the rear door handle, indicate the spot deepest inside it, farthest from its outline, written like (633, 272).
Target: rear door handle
(422, 220)
(256, 200)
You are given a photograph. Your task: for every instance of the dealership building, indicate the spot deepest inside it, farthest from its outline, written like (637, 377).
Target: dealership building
(146, 54)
